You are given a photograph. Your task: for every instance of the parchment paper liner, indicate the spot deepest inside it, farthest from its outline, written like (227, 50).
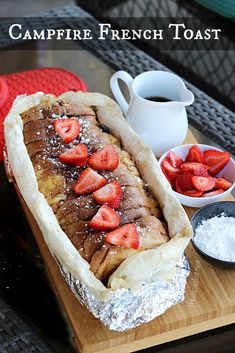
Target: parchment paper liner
(148, 267)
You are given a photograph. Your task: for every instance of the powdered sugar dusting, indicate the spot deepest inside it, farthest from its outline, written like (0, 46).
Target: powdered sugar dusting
(216, 237)
(95, 139)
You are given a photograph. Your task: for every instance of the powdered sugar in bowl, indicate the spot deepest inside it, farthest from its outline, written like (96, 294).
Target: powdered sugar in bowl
(214, 233)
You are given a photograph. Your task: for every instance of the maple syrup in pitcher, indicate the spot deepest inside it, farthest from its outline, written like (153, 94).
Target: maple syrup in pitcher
(158, 99)
(162, 126)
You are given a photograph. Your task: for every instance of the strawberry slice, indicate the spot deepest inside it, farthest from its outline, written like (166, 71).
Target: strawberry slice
(105, 159)
(75, 155)
(125, 236)
(201, 172)
(105, 219)
(203, 183)
(193, 193)
(168, 167)
(196, 168)
(89, 181)
(174, 159)
(109, 194)
(212, 193)
(184, 182)
(171, 177)
(216, 160)
(67, 129)
(221, 183)
(195, 155)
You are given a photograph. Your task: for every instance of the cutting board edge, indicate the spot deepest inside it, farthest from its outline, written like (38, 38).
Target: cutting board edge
(165, 337)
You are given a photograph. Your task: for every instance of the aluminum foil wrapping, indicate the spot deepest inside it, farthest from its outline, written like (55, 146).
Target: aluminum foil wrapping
(126, 309)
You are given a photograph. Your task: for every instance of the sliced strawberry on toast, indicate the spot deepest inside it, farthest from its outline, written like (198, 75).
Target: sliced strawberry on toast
(109, 194)
(125, 237)
(196, 168)
(75, 155)
(203, 183)
(184, 182)
(195, 155)
(89, 181)
(216, 160)
(105, 159)
(212, 193)
(174, 159)
(67, 129)
(105, 219)
(221, 183)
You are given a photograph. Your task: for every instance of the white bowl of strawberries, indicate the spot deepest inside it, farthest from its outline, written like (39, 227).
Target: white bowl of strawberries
(199, 174)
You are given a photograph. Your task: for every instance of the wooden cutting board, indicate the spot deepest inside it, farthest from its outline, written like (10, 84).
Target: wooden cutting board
(209, 303)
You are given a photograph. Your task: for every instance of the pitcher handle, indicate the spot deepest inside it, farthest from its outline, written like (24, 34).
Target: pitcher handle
(125, 77)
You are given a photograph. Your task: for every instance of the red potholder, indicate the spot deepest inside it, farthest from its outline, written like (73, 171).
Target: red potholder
(48, 80)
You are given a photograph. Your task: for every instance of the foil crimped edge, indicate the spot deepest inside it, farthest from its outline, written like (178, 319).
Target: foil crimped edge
(125, 308)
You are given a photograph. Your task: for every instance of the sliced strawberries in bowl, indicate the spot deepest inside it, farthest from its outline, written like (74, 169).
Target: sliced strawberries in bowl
(171, 177)
(193, 193)
(171, 172)
(198, 172)
(221, 183)
(196, 168)
(213, 193)
(195, 155)
(216, 160)
(184, 182)
(168, 167)
(174, 159)
(203, 183)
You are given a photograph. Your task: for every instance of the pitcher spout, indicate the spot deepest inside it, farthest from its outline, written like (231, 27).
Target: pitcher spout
(187, 97)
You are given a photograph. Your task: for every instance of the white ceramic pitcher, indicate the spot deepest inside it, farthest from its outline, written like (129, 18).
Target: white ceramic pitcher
(162, 125)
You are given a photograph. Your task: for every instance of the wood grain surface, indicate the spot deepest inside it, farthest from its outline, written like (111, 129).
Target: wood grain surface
(209, 303)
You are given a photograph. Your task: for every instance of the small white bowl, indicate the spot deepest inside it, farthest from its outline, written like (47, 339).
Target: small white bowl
(228, 173)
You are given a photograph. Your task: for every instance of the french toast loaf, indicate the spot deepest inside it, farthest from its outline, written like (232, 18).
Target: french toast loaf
(74, 212)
